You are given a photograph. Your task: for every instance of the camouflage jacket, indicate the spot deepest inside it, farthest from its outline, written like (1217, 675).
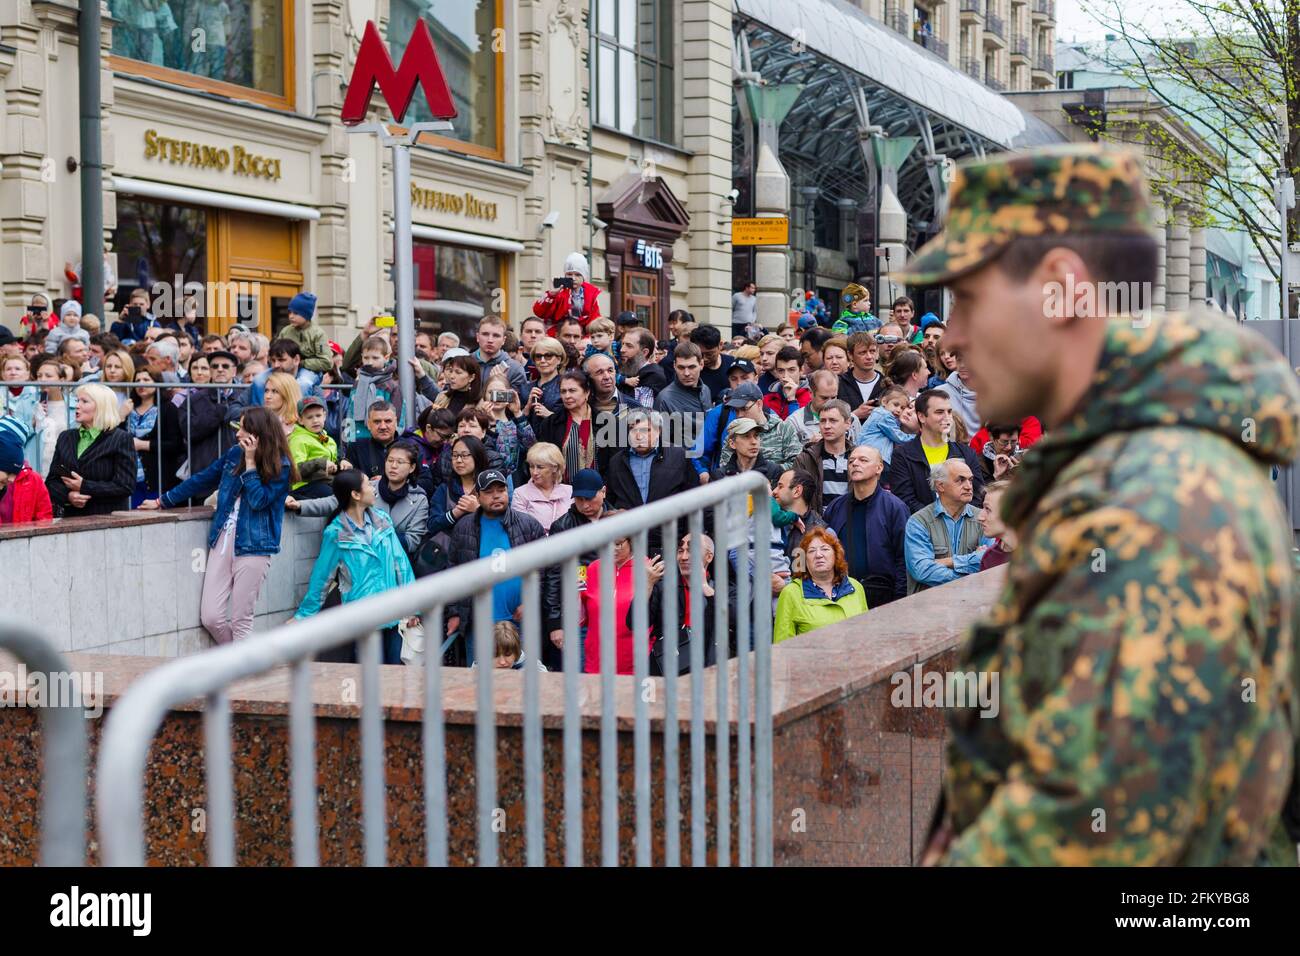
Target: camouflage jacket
(1143, 639)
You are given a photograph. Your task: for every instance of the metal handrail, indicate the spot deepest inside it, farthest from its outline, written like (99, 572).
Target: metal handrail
(137, 716)
(63, 774)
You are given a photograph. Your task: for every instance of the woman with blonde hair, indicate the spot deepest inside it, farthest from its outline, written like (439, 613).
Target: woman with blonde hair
(93, 471)
(549, 357)
(282, 397)
(118, 368)
(544, 496)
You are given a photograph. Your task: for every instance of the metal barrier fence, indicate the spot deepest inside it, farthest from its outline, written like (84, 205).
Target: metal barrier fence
(742, 520)
(63, 781)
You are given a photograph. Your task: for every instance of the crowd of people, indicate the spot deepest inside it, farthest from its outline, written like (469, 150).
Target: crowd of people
(884, 479)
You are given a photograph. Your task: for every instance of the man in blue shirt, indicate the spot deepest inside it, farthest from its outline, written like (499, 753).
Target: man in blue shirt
(494, 539)
(943, 541)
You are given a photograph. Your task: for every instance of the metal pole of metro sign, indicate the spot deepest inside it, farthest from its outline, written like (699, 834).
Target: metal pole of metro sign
(419, 68)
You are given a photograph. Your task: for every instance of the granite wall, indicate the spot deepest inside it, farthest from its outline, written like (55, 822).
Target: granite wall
(130, 583)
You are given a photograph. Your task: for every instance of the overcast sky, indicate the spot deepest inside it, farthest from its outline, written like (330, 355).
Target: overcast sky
(1073, 23)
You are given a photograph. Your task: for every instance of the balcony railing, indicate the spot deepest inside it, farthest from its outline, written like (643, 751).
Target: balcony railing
(972, 6)
(1043, 64)
(1045, 8)
(997, 85)
(898, 21)
(933, 44)
(1020, 46)
(973, 67)
(993, 24)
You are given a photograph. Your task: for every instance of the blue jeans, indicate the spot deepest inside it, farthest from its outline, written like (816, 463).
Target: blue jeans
(391, 638)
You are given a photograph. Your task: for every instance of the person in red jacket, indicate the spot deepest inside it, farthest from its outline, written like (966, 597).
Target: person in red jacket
(23, 496)
(580, 302)
(1031, 429)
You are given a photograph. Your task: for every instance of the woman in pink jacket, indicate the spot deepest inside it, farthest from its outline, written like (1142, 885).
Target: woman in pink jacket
(544, 497)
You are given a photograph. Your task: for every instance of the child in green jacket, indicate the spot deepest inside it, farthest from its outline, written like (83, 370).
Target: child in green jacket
(313, 450)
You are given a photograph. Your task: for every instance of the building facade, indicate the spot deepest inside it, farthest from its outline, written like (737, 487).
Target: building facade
(229, 173)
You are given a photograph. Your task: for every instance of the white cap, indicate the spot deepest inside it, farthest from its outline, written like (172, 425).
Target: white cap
(453, 353)
(577, 262)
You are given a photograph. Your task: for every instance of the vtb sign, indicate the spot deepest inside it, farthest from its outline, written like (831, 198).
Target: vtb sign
(419, 67)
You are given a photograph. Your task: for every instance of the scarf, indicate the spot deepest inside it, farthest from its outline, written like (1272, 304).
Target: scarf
(390, 496)
(578, 456)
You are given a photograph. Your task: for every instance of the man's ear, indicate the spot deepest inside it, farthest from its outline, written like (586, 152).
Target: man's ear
(1066, 285)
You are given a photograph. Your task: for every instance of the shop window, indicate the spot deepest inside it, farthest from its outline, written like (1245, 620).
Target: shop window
(156, 242)
(236, 47)
(634, 68)
(457, 286)
(468, 37)
(641, 295)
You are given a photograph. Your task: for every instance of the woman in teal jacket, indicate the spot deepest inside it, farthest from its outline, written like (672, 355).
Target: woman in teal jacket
(361, 554)
(823, 593)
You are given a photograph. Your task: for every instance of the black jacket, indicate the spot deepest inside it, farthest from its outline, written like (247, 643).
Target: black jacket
(850, 393)
(367, 455)
(464, 545)
(770, 471)
(210, 434)
(552, 577)
(909, 474)
(166, 440)
(605, 429)
(670, 474)
(651, 375)
(107, 472)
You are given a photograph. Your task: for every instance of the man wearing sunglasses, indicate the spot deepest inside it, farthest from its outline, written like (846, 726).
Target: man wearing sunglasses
(209, 415)
(889, 338)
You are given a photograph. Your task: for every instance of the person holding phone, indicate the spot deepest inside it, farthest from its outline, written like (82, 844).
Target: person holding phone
(38, 317)
(572, 296)
(252, 482)
(135, 320)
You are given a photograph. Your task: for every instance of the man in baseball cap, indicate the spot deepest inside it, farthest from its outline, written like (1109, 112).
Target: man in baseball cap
(1119, 689)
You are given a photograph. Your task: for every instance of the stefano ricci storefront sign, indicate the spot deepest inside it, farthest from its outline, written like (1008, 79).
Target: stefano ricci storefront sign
(234, 158)
(460, 204)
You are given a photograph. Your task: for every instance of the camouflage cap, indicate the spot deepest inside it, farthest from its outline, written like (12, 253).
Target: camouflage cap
(1075, 189)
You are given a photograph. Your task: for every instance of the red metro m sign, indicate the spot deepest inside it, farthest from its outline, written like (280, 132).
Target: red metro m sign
(419, 68)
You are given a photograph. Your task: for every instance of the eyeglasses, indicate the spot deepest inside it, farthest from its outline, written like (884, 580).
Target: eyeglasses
(547, 356)
(220, 366)
(888, 339)
(460, 455)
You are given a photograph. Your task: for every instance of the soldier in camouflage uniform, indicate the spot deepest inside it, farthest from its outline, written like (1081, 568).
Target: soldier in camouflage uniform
(1143, 640)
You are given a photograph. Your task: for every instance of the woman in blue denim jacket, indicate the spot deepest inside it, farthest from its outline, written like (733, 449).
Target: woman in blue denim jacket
(252, 480)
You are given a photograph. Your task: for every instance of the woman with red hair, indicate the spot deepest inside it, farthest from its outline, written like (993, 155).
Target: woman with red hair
(822, 592)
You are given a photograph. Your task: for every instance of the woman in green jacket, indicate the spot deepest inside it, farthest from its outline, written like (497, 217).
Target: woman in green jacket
(823, 593)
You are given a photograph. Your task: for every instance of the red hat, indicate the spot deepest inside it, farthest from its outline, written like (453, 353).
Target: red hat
(336, 348)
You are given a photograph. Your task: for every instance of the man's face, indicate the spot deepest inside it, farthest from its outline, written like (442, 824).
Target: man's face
(286, 363)
(97, 353)
(186, 345)
(767, 356)
(531, 334)
(77, 351)
(990, 524)
(382, 424)
(784, 490)
(571, 334)
(140, 302)
(1015, 374)
(688, 371)
(641, 436)
(833, 426)
(746, 445)
(711, 355)
(223, 371)
(490, 339)
(750, 288)
(152, 334)
(494, 500)
(600, 369)
(787, 372)
(886, 332)
(684, 558)
(824, 393)
(903, 314)
(589, 508)
(960, 487)
(740, 377)
(938, 416)
(865, 463)
(157, 363)
(754, 412)
(812, 358)
(242, 350)
(313, 419)
(790, 334)
(864, 358)
(931, 336)
(423, 345)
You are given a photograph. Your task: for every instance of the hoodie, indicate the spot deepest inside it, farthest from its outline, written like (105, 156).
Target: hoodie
(963, 402)
(1124, 689)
